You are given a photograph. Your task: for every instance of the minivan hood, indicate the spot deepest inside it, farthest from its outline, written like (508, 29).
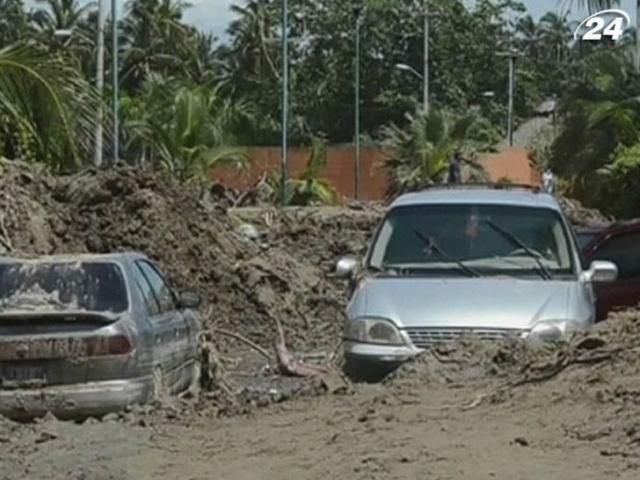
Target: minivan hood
(470, 302)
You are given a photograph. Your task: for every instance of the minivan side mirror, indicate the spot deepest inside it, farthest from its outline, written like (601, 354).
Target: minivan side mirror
(189, 300)
(346, 267)
(602, 271)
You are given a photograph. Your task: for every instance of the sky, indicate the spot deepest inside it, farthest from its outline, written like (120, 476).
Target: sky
(215, 15)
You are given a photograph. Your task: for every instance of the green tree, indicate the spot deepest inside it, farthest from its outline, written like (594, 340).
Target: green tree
(155, 40)
(600, 112)
(60, 14)
(47, 110)
(14, 22)
(310, 188)
(420, 154)
(193, 136)
(617, 184)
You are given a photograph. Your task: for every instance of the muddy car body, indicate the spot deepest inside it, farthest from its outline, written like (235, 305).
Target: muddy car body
(618, 242)
(482, 261)
(86, 335)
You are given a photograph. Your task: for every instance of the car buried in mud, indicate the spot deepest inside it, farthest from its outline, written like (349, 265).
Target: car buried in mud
(89, 334)
(484, 261)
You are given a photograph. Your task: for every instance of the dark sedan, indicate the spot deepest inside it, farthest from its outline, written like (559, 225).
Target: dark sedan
(85, 335)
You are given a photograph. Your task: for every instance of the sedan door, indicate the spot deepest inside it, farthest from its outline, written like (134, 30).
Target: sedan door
(623, 249)
(170, 328)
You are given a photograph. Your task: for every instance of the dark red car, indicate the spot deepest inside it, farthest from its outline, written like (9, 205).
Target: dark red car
(618, 243)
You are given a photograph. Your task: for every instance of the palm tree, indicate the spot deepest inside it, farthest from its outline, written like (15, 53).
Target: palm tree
(194, 138)
(254, 33)
(556, 33)
(47, 109)
(420, 154)
(590, 5)
(156, 39)
(14, 21)
(310, 188)
(530, 35)
(60, 14)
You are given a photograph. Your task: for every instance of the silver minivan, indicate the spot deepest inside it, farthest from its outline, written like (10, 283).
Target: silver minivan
(492, 262)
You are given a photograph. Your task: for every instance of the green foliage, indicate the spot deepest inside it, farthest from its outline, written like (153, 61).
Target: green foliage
(191, 137)
(617, 183)
(601, 115)
(420, 154)
(310, 188)
(47, 110)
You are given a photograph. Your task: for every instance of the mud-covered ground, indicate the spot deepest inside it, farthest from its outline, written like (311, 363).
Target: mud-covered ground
(467, 412)
(464, 411)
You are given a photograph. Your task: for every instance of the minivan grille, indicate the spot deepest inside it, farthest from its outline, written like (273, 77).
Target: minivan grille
(427, 337)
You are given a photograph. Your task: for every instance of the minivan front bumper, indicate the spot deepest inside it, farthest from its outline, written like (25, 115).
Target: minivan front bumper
(379, 353)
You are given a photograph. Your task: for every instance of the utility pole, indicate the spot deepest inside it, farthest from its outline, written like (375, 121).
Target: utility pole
(637, 55)
(98, 146)
(425, 81)
(116, 81)
(511, 89)
(285, 98)
(512, 55)
(358, 14)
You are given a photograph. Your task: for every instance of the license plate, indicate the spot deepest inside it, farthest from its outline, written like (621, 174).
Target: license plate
(21, 377)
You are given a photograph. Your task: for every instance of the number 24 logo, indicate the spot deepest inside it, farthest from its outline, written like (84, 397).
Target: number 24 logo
(598, 27)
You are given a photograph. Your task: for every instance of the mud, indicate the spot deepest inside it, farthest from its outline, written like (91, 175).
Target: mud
(465, 411)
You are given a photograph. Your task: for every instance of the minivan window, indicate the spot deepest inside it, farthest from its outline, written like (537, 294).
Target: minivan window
(488, 238)
(94, 286)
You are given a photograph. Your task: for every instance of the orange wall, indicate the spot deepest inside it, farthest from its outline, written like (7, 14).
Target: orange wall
(512, 163)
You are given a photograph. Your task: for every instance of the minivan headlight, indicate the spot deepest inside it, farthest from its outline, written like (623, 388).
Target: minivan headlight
(373, 330)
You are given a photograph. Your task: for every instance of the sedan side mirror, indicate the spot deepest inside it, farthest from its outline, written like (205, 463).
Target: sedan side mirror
(602, 271)
(189, 300)
(346, 267)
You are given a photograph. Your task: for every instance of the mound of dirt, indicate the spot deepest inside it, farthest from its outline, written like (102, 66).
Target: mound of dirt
(246, 283)
(579, 215)
(597, 371)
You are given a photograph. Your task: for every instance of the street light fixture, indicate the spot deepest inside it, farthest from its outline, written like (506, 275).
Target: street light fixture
(63, 32)
(406, 68)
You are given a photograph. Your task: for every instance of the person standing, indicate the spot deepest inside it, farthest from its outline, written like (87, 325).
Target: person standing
(455, 169)
(549, 181)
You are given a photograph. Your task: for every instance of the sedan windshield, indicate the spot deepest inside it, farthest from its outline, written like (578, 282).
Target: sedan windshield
(93, 286)
(473, 239)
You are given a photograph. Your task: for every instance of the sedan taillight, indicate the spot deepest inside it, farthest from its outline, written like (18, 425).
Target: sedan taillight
(108, 345)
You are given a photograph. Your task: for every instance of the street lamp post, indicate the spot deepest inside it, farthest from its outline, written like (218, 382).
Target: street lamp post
(358, 14)
(98, 141)
(512, 55)
(285, 99)
(425, 81)
(116, 80)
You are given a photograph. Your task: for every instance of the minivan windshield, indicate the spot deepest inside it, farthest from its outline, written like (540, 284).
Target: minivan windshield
(473, 239)
(59, 286)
